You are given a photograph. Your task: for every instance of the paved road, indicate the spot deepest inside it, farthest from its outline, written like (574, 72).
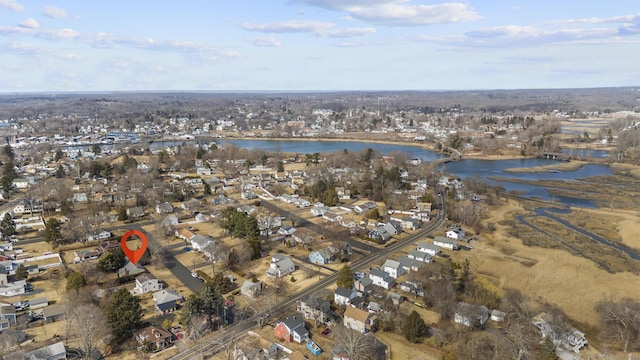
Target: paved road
(177, 269)
(213, 344)
(302, 222)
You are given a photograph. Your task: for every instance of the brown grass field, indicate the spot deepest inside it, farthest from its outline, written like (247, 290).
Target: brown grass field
(554, 276)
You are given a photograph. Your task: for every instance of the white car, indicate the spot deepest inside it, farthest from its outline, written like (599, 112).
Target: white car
(195, 275)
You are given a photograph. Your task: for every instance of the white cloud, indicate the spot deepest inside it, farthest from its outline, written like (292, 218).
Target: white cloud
(400, 12)
(30, 23)
(55, 12)
(623, 19)
(264, 41)
(292, 26)
(348, 32)
(11, 5)
(324, 29)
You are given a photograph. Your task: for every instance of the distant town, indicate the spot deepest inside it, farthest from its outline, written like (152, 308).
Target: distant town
(337, 226)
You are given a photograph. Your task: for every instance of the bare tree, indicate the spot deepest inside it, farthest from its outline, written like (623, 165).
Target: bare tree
(356, 345)
(620, 322)
(89, 325)
(197, 328)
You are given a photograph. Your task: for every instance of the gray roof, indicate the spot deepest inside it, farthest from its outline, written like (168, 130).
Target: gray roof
(391, 263)
(344, 292)
(379, 273)
(165, 296)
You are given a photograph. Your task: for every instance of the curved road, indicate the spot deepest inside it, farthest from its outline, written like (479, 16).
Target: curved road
(213, 344)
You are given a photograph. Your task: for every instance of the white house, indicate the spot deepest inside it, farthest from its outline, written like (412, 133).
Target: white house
(420, 256)
(471, 315)
(428, 248)
(146, 283)
(393, 268)
(381, 279)
(199, 242)
(13, 289)
(281, 265)
(455, 233)
(447, 243)
(344, 296)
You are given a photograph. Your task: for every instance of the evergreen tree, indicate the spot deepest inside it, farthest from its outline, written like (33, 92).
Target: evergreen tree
(414, 327)
(60, 173)
(8, 226)
(52, 233)
(122, 214)
(207, 189)
(59, 155)
(345, 277)
(75, 281)
(123, 313)
(21, 272)
(112, 260)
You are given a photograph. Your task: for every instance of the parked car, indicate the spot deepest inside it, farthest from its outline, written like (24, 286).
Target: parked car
(326, 331)
(195, 275)
(186, 249)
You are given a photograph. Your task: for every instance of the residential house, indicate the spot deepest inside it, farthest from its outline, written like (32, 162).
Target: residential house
(455, 233)
(13, 288)
(420, 256)
(164, 208)
(291, 329)
(568, 337)
(281, 265)
(393, 268)
(146, 283)
(409, 264)
(342, 296)
(184, 234)
(363, 285)
(343, 194)
(252, 289)
(203, 170)
(331, 216)
(366, 206)
(86, 255)
(359, 320)
(286, 230)
(80, 197)
(52, 313)
(396, 298)
(131, 269)
(55, 351)
(497, 315)
(8, 315)
(38, 303)
(216, 252)
(155, 337)
(135, 212)
(471, 315)
(315, 308)
(393, 227)
(167, 301)
(191, 204)
(199, 242)
(380, 234)
(428, 248)
(409, 223)
(412, 287)
(446, 243)
(254, 347)
(322, 256)
(108, 246)
(381, 279)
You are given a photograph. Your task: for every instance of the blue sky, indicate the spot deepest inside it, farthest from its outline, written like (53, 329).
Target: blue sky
(80, 45)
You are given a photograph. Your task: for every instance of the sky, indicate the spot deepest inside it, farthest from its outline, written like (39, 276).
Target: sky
(306, 45)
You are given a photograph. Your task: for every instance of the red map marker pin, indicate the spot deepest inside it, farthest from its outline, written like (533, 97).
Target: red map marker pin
(133, 255)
